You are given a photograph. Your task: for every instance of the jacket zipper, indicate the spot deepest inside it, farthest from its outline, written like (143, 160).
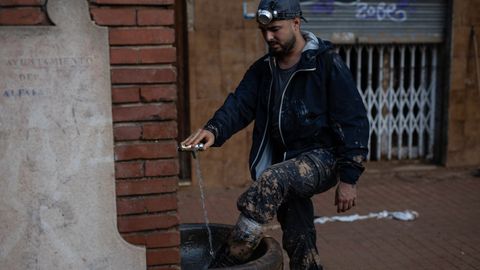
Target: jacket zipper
(281, 105)
(268, 118)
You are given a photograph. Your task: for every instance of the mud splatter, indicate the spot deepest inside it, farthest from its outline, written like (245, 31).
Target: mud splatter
(295, 179)
(304, 169)
(359, 158)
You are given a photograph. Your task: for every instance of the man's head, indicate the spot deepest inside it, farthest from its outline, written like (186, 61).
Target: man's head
(279, 21)
(271, 10)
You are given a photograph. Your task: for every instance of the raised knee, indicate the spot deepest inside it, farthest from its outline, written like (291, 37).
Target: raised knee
(271, 179)
(267, 174)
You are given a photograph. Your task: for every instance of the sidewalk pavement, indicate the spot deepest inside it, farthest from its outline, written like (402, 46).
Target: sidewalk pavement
(444, 236)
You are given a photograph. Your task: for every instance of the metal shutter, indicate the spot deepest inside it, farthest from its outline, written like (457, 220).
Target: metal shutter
(388, 21)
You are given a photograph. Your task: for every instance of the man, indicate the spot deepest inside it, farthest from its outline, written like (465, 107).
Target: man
(311, 130)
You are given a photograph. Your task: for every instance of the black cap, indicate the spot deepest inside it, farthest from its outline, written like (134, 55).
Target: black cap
(285, 9)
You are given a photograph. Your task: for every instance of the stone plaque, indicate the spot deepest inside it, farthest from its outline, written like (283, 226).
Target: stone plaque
(57, 187)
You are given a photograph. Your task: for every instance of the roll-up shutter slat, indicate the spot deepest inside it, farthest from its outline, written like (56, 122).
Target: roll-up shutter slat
(389, 21)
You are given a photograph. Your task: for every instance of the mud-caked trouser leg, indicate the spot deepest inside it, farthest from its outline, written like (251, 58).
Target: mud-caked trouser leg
(299, 236)
(241, 243)
(286, 188)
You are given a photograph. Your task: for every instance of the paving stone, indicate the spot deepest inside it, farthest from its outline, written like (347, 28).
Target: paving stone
(443, 237)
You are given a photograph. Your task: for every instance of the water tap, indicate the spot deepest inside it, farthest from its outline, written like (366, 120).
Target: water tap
(192, 148)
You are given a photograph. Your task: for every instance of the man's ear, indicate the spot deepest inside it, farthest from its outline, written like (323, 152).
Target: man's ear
(296, 23)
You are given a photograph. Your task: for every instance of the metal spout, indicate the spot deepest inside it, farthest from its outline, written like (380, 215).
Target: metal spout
(191, 148)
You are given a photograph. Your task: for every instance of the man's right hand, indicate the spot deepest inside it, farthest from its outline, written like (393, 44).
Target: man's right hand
(201, 135)
(345, 197)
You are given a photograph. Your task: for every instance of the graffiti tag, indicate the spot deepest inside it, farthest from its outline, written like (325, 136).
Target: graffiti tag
(380, 12)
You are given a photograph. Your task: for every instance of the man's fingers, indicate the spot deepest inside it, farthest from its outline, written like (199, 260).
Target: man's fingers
(344, 205)
(209, 138)
(188, 141)
(208, 143)
(345, 197)
(201, 135)
(197, 137)
(340, 206)
(194, 138)
(190, 138)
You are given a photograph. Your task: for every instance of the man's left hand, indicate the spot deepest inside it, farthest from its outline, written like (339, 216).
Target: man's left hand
(345, 196)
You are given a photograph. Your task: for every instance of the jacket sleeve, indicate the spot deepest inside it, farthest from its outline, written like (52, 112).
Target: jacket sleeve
(238, 109)
(348, 120)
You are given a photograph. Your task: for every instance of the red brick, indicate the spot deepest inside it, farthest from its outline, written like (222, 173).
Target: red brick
(114, 16)
(165, 239)
(22, 2)
(123, 55)
(155, 17)
(163, 256)
(144, 187)
(127, 133)
(160, 130)
(155, 239)
(165, 167)
(141, 36)
(158, 93)
(162, 268)
(143, 75)
(128, 169)
(125, 95)
(157, 55)
(163, 111)
(146, 222)
(146, 151)
(22, 16)
(134, 2)
(145, 205)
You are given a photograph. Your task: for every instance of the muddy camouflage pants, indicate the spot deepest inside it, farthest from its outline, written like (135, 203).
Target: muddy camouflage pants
(285, 189)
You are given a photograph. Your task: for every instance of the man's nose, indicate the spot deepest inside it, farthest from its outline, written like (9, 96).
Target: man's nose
(269, 36)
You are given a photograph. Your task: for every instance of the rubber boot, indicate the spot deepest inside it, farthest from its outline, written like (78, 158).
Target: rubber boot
(241, 243)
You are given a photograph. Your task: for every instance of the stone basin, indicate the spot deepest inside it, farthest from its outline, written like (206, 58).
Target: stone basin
(194, 249)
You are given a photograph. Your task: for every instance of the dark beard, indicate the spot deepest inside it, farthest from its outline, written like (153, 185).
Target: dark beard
(285, 48)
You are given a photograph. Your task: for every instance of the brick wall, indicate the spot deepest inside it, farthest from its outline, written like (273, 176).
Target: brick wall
(464, 96)
(142, 57)
(23, 12)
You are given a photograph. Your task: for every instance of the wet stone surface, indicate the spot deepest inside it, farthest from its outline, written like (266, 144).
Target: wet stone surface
(444, 236)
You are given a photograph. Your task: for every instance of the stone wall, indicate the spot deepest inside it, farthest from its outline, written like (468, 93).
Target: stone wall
(464, 93)
(142, 57)
(222, 45)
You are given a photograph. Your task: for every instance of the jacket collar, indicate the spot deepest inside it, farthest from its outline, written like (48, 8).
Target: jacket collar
(313, 47)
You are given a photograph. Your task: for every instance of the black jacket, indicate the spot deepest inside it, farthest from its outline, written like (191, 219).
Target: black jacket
(321, 107)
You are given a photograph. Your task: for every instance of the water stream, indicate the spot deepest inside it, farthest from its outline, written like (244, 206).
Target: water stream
(202, 195)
